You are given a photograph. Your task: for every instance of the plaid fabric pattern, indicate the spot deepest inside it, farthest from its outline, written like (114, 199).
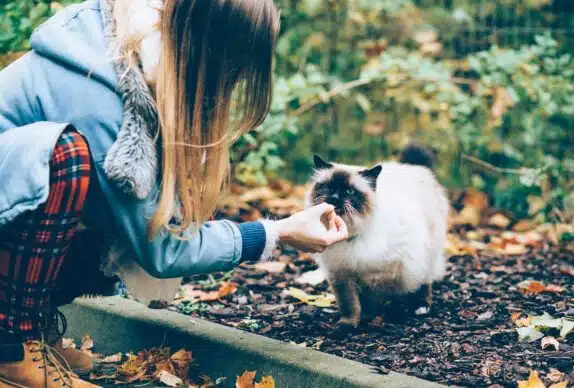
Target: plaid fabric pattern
(34, 246)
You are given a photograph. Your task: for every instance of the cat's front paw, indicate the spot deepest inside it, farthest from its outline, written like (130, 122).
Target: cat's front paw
(348, 323)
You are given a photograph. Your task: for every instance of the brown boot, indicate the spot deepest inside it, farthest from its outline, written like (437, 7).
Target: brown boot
(79, 362)
(38, 368)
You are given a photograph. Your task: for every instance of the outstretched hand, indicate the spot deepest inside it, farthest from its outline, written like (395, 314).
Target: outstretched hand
(313, 230)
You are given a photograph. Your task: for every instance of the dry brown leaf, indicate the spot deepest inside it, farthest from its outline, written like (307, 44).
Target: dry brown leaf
(499, 220)
(554, 288)
(535, 287)
(532, 382)
(226, 288)
(531, 287)
(548, 342)
(523, 322)
(194, 295)
(554, 375)
(87, 343)
(257, 194)
(524, 226)
(169, 379)
(245, 380)
(68, 343)
(114, 358)
(270, 266)
(266, 382)
(514, 317)
(502, 102)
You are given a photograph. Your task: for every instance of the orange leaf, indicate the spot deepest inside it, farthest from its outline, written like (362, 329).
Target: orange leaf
(532, 287)
(245, 380)
(532, 382)
(514, 317)
(226, 288)
(266, 382)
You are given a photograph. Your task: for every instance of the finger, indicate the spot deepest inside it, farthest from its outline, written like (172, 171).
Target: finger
(339, 223)
(332, 221)
(342, 232)
(325, 208)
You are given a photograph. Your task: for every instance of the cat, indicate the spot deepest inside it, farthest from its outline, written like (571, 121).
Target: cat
(396, 214)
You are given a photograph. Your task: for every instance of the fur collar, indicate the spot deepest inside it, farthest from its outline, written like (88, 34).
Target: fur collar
(132, 161)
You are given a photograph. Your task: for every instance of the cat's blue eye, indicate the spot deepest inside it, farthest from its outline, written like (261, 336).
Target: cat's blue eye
(350, 191)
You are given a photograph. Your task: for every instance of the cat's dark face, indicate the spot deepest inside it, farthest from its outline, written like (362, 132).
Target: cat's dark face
(351, 190)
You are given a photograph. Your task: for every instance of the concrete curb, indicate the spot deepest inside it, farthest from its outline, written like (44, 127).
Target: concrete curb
(119, 324)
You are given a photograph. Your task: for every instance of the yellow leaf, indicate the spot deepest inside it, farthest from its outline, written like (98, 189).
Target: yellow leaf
(532, 382)
(324, 300)
(499, 220)
(266, 382)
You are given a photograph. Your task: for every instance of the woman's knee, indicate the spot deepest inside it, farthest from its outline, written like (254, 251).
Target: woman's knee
(70, 168)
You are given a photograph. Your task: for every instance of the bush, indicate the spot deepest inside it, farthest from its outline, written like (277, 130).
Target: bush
(357, 79)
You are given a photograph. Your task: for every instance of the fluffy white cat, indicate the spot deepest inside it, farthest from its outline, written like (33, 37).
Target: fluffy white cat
(396, 213)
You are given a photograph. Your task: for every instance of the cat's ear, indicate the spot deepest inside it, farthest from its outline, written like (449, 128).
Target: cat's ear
(320, 164)
(371, 175)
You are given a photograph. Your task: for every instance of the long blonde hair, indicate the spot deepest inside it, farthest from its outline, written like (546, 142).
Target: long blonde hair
(209, 49)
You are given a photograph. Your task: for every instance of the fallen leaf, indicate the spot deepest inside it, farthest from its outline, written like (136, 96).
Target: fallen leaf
(546, 321)
(87, 343)
(535, 287)
(549, 341)
(554, 375)
(522, 322)
(499, 220)
(313, 278)
(270, 266)
(114, 358)
(562, 384)
(245, 380)
(514, 317)
(531, 287)
(502, 102)
(567, 327)
(324, 300)
(554, 288)
(532, 382)
(194, 295)
(169, 379)
(485, 316)
(68, 343)
(266, 382)
(257, 194)
(528, 334)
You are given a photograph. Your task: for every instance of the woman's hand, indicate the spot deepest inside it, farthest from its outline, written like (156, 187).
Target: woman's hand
(313, 230)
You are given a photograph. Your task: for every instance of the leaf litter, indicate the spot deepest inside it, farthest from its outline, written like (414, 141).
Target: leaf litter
(160, 365)
(503, 275)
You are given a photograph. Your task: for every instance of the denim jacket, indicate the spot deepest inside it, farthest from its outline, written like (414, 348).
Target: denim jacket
(68, 79)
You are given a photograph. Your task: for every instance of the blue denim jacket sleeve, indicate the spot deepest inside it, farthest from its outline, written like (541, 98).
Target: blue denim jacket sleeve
(214, 246)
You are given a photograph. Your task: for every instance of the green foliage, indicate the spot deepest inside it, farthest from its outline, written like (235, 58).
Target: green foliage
(488, 84)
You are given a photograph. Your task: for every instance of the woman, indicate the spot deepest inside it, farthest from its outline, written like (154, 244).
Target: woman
(121, 118)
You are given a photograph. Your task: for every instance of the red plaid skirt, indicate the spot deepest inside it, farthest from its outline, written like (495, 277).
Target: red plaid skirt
(33, 247)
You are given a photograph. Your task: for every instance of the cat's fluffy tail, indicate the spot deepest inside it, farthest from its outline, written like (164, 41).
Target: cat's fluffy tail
(417, 155)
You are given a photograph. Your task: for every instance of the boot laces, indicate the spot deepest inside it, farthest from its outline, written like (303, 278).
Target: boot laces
(53, 369)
